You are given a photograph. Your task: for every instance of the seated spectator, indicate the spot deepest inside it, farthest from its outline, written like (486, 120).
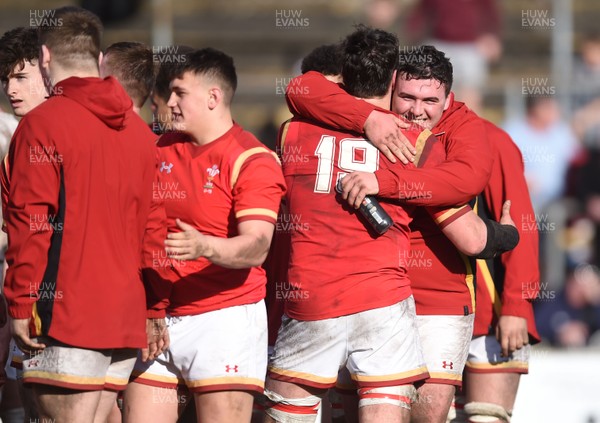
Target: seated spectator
(570, 317)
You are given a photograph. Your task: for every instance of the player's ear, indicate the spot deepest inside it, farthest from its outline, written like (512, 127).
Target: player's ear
(447, 101)
(44, 56)
(215, 96)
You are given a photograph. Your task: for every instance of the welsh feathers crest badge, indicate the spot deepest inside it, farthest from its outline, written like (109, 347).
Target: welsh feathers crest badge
(212, 172)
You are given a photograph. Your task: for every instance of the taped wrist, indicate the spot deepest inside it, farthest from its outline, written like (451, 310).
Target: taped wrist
(500, 238)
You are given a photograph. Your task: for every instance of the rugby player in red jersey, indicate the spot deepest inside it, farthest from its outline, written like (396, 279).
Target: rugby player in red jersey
(222, 189)
(422, 95)
(77, 223)
(369, 277)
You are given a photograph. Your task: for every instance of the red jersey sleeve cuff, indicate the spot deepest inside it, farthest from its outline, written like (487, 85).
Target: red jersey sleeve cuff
(155, 314)
(21, 311)
(363, 111)
(518, 308)
(257, 214)
(388, 184)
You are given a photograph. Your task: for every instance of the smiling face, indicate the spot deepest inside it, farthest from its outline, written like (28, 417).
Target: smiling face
(25, 88)
(421, 101)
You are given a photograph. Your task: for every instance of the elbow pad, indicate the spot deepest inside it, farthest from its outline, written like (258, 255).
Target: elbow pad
(500, 239)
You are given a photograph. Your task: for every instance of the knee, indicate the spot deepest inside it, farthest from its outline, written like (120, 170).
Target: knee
(401, 396)
(485, 412)
(292, 410)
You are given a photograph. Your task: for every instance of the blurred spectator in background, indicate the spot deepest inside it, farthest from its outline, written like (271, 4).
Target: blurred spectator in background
(586, 71)
(571, 316)
(383, 14)
(468, 32)
(582, 241)
(547, 144)
(586, 93)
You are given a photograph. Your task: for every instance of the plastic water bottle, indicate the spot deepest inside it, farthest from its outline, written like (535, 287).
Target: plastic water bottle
(373, 212)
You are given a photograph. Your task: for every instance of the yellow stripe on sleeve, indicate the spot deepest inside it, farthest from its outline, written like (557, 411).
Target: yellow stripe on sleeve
(256, 211)
(237, 166)
(448, 214)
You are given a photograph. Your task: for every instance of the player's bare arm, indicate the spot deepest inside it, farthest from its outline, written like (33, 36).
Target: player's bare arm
(470, 234)
(248, 249)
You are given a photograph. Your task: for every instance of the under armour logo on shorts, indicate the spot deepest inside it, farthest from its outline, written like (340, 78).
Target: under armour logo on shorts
(233, 369)
(447, 365)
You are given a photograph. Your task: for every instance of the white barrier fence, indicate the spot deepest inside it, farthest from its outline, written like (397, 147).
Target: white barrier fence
(563, 386)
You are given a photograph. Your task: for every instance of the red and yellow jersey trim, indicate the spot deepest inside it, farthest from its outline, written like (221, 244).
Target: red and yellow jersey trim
(420, 145)
(451, 215)
(257, 212)
(239, 162)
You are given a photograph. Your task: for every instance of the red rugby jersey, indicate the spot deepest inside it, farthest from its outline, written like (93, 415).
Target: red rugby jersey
(213, 187)
(508, 284)
(337, 267)
(442, 278)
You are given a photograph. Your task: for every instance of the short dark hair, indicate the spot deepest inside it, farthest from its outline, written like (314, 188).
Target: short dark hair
(213, 64)
(168, 63)
(131, 63)
(370, 58)
(426, 62)
(73, 35)
(326, 59)
(17, 46)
